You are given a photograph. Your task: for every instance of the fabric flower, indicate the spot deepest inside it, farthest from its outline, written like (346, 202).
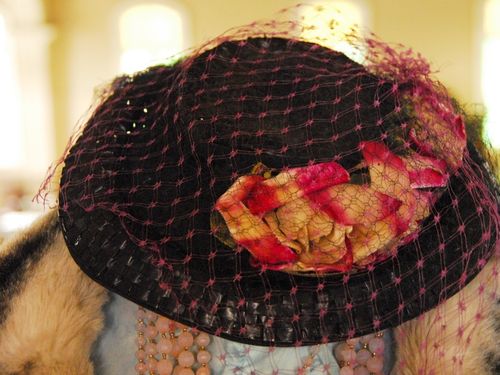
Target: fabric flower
(314, 219)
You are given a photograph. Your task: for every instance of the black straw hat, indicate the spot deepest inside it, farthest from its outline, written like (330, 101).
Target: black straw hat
(142, 190)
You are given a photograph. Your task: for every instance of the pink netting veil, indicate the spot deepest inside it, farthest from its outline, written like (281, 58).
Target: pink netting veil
(271, 190)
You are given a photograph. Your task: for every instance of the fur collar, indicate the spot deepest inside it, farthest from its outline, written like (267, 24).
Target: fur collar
(51, 316)
(51, 311)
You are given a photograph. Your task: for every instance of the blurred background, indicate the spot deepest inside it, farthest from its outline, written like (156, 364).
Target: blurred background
(56, 54)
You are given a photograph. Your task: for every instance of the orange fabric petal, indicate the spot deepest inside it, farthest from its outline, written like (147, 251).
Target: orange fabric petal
(389, 175)
(249, 230)
(320, 259)
(367, 239)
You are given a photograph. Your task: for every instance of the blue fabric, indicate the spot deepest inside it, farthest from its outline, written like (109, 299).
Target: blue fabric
(235, 358)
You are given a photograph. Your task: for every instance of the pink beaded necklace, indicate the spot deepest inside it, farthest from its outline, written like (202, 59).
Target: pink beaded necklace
(166, 347)
(361, 356)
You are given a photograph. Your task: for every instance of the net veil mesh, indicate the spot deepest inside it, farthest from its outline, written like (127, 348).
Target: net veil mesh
(284, 194)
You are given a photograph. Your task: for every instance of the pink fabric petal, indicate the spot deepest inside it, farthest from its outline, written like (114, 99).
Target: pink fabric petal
(377, 152)
(423, 148)
(426, 178)
(293, 184)
(439, 133)
(459, 128)
(237, 192)
(320, 176)
(268, 250)
(426, 171)
(350, 204)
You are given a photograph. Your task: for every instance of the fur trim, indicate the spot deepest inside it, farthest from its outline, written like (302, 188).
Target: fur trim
(19, 255)
(52, 311)
(51, 315)
(475, 352)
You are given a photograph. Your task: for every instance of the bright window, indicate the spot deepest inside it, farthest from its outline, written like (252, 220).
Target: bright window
(491, 70)
(11, 129)
(328, 22)
(149, 34)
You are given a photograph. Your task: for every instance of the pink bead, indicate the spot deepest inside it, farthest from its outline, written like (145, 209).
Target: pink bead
(164, 367)
(179, 370)
(140, 354)
(185, 339)
(375, 364)
(176, 349)
(151, 332)
(202, 339)
(367, 338)
(338, 351)
(347, 370)
(363, 356)
(186, 371)
(349, 356)
(172, 326)
(203, 356)
(141, 367)
(361, 370)
(204, 370)
(352, 342)
(186, 358)
(151, 316)
(140, 326)
(141, 314)
(152, 364)
(164, 345)
(140, 340)
(163, 324)
(376, 345)
(150, 348)
(344, 353)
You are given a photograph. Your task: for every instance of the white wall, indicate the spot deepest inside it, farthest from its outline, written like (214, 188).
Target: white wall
(84, 53)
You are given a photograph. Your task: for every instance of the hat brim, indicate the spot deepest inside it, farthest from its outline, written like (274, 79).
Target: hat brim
(259, 307)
